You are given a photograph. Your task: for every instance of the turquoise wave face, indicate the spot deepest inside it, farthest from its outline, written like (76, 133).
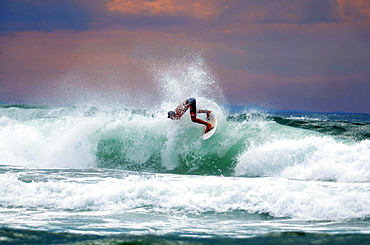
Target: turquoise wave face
(245, 144)
(180, 152)
(150, 143)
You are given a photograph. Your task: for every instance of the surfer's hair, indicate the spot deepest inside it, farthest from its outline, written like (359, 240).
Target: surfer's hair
(170, 114)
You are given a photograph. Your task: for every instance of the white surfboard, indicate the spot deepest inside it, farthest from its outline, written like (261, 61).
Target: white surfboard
(212, 120)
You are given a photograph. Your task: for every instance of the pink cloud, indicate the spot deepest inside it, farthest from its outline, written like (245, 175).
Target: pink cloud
(353, 10)
(200, 9)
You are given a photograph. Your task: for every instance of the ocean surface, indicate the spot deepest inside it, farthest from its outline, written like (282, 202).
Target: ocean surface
(118, 175)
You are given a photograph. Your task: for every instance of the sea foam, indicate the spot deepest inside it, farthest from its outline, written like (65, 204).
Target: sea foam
(184, 195)
(308, 158)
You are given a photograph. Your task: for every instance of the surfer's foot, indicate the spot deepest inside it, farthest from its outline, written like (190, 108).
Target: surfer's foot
(208, 115)
(208, 129)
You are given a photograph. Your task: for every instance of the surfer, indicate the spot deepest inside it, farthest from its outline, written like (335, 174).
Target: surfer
(184, 106)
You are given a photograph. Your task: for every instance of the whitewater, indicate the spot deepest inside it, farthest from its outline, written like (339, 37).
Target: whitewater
(114, 174)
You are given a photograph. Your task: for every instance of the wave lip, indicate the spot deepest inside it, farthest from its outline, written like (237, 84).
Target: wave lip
(308, 158)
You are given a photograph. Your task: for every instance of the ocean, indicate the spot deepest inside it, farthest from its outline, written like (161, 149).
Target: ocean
(120, 175)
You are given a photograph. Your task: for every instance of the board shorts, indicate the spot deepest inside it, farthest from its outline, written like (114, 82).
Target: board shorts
(192, 106)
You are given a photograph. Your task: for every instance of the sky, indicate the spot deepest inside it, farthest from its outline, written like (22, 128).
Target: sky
(311, 55)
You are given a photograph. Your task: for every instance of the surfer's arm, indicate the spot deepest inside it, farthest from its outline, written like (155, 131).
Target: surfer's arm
(180, 110)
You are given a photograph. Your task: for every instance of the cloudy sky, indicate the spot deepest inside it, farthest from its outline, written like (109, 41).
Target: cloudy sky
(309, 55)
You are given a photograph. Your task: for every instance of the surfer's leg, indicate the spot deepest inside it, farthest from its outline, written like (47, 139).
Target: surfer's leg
(208, 129)
(193, 114)
(200, 121)
(193, 107)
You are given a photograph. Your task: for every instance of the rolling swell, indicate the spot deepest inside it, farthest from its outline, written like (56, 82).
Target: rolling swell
(344, 129)
(331, 124)
(246, 144)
